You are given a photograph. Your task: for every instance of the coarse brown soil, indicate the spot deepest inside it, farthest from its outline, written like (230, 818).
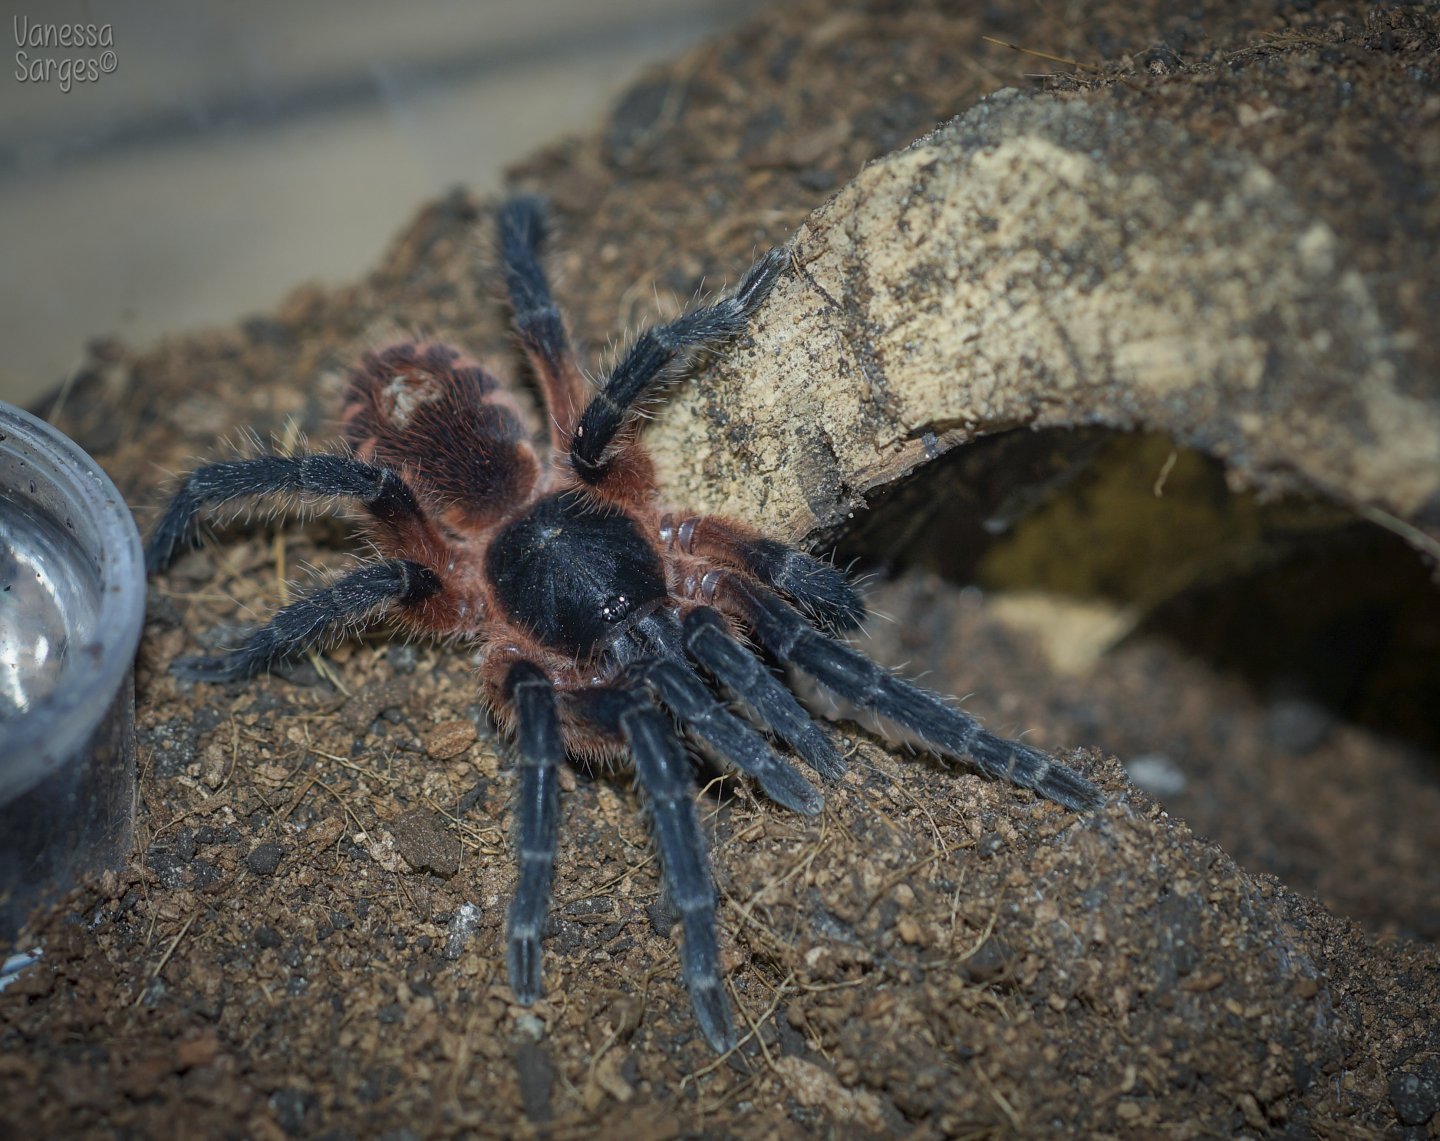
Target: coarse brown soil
(287, 953)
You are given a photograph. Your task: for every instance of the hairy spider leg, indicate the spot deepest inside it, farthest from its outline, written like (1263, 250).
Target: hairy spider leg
(538, 319)
(317, 618)
(538, 737)
(812, 584)
(708, 642)
(663, 772)
(383, 493)
(653, 357)
(851, 675)
(681, 692)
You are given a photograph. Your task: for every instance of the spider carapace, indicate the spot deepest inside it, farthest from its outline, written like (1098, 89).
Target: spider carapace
(602, 625)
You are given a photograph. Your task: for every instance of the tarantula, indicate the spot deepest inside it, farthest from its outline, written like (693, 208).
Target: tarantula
(602, 626)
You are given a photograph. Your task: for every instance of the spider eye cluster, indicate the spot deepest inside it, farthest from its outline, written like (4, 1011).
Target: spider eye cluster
(616, 609)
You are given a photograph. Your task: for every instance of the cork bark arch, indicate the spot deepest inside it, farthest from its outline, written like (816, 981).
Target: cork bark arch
(1050, 263)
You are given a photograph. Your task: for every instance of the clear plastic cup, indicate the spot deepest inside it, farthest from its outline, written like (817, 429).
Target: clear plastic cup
(72, 603)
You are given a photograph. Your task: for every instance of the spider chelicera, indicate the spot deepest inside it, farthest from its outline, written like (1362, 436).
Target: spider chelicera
(603, 627)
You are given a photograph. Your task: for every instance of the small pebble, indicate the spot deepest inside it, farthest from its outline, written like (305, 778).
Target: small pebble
(462, 926)
(1298, 726)
(530, 1025)
(1157, 774)
(264, 860)
(449, 739)
(1415, 1094)
(425, 841)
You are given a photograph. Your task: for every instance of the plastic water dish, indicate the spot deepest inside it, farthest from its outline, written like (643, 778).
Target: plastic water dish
(72, 602)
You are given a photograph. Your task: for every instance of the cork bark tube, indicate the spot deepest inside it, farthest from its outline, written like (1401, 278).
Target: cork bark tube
(1048, 263)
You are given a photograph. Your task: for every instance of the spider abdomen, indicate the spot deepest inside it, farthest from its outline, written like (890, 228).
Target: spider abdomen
(575, 573)
(434, 413)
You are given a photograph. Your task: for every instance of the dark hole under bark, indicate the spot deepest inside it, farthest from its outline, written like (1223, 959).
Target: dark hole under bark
(1301, 598)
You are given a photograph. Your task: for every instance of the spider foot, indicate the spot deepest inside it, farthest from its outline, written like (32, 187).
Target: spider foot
(1033, 769)
(712, 1012)
(700, 967)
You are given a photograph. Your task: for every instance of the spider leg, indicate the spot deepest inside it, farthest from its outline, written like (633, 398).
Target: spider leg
(383, 492)
(537, 318)
(708, 641)
(537, 732)
(650, 359)
(851, 675)
(687, 698)
(664, 775)
(316, 618)
(812, 584)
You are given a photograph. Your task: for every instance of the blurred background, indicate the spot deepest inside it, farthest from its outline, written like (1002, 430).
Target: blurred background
(201, 159)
